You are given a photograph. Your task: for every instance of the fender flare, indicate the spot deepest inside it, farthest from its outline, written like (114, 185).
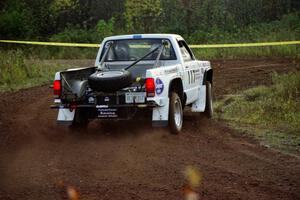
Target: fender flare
(177, 85)
(208, 76)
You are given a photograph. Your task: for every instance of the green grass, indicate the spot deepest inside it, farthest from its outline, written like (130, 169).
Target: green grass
(271, 114)
(288, 51)
(46, 52)
(15, 73)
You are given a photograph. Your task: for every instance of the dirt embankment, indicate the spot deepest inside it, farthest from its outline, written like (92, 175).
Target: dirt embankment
(124, 160)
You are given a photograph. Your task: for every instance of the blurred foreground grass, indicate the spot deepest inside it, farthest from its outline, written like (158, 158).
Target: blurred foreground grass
(271, 114)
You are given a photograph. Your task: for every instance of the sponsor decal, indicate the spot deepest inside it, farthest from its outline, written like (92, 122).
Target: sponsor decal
(106, 99)
(159, 86)
(137, 36)
(107, 112)
(91, 100)
(171, 71)
(194, 76)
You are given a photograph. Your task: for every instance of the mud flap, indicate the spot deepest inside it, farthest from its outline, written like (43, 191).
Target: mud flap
(160, 115)
(199, 105)
(65, 116)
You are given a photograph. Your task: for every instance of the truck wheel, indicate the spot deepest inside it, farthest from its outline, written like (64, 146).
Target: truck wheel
(110, 81)
(80, 119)
(209, 100)
(175, 113)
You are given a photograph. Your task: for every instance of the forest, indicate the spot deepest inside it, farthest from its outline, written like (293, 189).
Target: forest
(199, 21)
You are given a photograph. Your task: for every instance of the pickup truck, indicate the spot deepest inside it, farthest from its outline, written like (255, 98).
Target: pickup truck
(152, 76)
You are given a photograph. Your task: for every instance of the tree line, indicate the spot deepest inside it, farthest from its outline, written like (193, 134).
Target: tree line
(91, 20)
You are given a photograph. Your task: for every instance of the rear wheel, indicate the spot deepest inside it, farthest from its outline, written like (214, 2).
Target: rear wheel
(209, 101)
(175, 113)
(80, 119)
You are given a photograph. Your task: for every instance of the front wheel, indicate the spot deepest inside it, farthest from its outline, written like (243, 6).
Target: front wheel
(209, 101)
(175, 113)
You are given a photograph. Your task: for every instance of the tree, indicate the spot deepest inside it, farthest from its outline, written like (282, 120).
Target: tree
(173, 17)
(143, 15)
(15, 20)
(188, 9)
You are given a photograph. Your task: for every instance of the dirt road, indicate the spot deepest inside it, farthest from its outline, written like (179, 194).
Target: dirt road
(126, 160)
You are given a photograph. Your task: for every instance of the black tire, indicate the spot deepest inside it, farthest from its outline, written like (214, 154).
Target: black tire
(81, 119)
(209, 100)
(175, 114)
(110, 81)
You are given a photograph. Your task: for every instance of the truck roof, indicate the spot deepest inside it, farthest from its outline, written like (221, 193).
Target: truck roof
(140, 36)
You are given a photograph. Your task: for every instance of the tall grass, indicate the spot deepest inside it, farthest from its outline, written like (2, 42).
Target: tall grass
(271, 113)
(15, 73)
(288, 51)
(49, 52)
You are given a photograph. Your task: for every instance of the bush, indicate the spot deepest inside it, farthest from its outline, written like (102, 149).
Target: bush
(288, 28)
(76, 35)
(94, 35)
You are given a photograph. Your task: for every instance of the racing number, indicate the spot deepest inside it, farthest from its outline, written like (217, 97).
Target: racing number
(192, 76)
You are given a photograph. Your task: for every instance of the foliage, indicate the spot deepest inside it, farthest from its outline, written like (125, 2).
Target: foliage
(14, 20)
(286, 28)
(75, 35)
(105, 29)
(266, 110)
(15, 73)
(196, 20)
(142, 15)
(60, 5)
(95, 35)
(200, 22)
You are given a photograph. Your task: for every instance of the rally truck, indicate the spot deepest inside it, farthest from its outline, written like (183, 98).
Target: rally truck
(146, 76)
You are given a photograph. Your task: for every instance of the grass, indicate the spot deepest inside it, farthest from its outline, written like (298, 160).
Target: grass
(288, 51)
(46, 52)
(271, 114)
(15, 73)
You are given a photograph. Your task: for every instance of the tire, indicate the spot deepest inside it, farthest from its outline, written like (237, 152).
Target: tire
(110, 81)
(175, 114)
(81, 119)
(209, 100)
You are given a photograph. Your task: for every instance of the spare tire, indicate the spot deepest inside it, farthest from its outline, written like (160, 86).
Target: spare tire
(109, 81)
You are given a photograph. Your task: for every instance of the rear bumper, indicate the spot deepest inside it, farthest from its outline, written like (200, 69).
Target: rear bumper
(74, 106)
(108, 112)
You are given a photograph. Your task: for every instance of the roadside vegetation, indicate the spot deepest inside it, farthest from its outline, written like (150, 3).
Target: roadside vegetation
(271, 114)
(199, 22)
(16, 73)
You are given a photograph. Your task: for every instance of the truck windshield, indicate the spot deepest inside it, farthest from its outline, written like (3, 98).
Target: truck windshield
(133, 49)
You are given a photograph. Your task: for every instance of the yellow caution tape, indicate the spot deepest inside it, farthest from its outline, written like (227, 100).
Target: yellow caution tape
(194, 46)
(258, 44)
(52, 43)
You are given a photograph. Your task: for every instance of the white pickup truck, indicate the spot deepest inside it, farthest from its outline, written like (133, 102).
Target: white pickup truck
(136, 76)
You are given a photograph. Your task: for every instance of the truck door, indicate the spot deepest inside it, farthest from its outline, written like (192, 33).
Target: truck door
(191, 73)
